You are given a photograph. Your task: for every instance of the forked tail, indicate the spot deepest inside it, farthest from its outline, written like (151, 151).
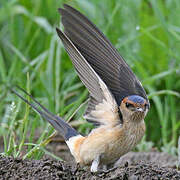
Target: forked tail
(65, 130)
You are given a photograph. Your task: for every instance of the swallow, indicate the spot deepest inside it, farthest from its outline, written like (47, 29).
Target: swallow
(117, 103)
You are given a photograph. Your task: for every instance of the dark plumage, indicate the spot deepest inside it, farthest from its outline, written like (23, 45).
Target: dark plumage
(65, 130)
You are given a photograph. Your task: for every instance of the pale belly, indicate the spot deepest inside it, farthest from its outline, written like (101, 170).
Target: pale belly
(109, 144)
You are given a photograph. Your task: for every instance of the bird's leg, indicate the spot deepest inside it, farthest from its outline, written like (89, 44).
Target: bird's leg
(95, 164)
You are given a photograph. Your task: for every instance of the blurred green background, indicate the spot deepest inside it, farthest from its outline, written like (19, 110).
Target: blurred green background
(145, 32)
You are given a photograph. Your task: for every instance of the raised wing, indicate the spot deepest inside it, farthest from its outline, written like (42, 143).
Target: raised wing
(101, 55)
(102, 107)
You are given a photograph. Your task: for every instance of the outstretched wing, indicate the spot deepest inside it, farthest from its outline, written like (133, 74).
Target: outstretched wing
(105, 109)
(101, 55)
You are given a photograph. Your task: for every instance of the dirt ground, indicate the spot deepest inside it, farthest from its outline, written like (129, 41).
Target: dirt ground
(132, 166)
(11, 169)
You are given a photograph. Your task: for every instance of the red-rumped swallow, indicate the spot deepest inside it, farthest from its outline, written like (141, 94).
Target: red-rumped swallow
(118, 103)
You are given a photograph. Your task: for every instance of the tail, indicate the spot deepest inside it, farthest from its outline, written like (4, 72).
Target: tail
(64, 129)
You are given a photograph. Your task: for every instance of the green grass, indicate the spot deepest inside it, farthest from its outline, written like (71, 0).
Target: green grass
(146, 33)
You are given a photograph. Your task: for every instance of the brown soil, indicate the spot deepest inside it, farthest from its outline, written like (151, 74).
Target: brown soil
(133, 166)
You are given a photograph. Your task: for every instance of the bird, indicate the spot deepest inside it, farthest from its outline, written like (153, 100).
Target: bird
(117, 102)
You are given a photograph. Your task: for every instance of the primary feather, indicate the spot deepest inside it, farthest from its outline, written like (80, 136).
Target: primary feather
(105, 63)
(100, 54)
(103, 101)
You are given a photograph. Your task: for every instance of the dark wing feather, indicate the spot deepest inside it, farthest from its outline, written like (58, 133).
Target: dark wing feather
(101, 55)
(102, 107)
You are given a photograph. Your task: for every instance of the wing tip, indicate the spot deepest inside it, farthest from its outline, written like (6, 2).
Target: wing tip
(60, 33)
(66, 6)
(58, 30)
(61, 10)
(63, 37)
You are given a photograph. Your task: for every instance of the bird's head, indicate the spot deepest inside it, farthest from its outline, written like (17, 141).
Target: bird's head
(134, 108)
